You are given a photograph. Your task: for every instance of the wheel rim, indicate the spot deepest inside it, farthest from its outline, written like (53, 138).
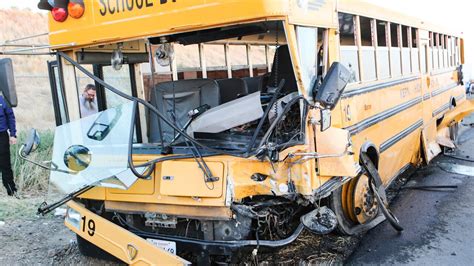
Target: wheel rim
(361, 204)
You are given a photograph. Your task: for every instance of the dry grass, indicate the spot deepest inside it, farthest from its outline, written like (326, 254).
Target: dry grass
(13, 208)
(31, 72)
(28, 177)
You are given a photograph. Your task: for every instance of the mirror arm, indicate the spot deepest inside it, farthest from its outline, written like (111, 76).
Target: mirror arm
(52, 167)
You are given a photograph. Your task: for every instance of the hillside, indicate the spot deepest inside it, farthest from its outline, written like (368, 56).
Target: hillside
(31, 73)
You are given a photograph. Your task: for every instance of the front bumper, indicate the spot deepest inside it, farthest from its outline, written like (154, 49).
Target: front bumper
(117, 241)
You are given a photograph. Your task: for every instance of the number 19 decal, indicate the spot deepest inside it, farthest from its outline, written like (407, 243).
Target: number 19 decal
(90, 225)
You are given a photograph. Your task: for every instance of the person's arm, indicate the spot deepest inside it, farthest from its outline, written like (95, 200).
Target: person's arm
(11, 121)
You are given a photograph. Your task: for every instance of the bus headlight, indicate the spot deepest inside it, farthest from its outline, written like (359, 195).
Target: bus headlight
(73, 217)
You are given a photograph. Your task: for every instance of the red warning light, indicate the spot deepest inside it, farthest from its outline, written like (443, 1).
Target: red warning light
(59, 14)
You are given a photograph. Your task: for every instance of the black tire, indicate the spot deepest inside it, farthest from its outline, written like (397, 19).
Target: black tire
(394, 222)
(88, 249)
(345, 225)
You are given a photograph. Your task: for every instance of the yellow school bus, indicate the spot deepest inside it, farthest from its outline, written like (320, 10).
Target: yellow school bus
(226, 126)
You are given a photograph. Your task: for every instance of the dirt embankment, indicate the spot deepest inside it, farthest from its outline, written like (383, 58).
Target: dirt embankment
(27, 239)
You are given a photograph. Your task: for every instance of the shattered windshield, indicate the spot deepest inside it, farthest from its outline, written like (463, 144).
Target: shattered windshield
(233, 105)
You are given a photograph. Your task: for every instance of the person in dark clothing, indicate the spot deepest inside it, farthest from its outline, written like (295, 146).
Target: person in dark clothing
(7, 138)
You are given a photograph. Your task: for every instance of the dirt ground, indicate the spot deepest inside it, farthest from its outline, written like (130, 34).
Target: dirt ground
(27, 239)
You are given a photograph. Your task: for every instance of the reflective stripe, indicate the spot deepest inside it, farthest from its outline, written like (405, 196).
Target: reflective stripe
(377, 87)
(443, 89)
(366, 123)
(393, 140)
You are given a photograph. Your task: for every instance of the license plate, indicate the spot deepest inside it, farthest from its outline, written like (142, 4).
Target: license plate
(168, 246)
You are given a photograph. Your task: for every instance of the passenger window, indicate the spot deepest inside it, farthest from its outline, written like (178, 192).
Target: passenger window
(445, 51)
(215, 61)
(395, 58)
(346, 29)
(349, 52)
(451, 51)
(414, 51)
(441, 52)
(414, 37)
(188, 64)
(436, 64)
(456, 52)
(187, 56)
(238, 61)
(368, 50)
(404, 36)
(406, 60)
(259, 60)
(383, 57)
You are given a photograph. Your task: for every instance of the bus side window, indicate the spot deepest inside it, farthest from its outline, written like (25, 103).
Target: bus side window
(349, 51)
(415, 63)
(259, 60)
(188, 61)
(406, 60)
(436, 52)
(215, 61)
(239, 61)
(369, 71)
(383, 57)
(441, 51)
(449, 50)
(395, 55)
(457, 57)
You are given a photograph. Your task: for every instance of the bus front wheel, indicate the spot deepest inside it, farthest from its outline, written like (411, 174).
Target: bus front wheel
(355, 206)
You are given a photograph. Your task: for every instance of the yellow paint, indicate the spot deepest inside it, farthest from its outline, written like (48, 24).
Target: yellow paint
(186, 191)
(160, 19)
(176, 178)
(114, 239)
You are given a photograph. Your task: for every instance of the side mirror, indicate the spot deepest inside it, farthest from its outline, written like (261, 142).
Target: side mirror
(7, 82)
(336, 80)
(325, 119)
(32, 143)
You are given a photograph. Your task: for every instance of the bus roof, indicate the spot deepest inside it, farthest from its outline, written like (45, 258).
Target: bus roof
(107, 21)
(369, 10)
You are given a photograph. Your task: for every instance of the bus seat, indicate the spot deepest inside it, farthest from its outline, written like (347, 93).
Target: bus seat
(255, 84)
(231, 89)
(284, 71)
(188, 95)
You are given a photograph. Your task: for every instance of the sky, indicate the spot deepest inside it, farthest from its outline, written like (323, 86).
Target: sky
(455, 14)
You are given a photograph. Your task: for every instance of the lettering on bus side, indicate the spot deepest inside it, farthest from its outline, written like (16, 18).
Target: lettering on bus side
(110, 7)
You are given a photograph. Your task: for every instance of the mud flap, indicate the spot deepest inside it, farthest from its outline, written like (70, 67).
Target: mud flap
(117, 241)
